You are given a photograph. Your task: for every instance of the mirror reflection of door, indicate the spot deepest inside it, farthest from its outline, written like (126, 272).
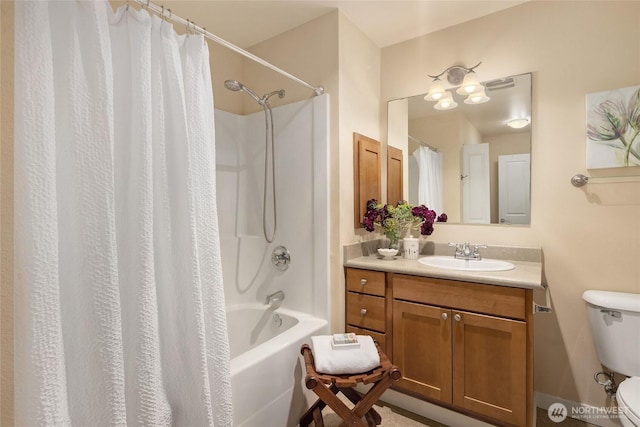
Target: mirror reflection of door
(476, 188)
(513, 187)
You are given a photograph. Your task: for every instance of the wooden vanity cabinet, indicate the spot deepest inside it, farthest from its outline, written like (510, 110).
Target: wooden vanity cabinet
(466, 346)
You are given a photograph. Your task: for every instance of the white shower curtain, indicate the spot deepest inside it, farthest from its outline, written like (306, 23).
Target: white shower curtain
(430, 178)
(119, 305)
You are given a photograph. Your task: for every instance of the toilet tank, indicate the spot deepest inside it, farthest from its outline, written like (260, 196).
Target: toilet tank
(614, 318)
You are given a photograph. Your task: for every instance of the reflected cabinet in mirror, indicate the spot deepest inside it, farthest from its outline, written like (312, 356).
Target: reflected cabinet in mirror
(468, 161)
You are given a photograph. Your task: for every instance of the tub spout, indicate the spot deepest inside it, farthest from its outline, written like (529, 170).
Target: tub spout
(275, 297)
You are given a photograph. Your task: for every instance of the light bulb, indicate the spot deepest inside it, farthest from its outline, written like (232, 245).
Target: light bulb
(446, 102)
(470, 84)
(436, 92)
(478, 97)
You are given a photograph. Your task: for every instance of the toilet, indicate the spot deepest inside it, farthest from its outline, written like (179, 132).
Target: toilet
(614, 318)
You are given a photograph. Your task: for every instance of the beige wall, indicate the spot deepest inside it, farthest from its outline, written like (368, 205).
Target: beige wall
(359, 109)
(6, 213)
(590, 236)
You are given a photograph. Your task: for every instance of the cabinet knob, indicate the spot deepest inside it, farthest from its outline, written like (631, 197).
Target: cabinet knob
(363, 282)
(363, 311)
(457, 317)
(444, 316)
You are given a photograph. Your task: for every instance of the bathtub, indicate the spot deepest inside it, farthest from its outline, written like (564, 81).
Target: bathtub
(267, 375)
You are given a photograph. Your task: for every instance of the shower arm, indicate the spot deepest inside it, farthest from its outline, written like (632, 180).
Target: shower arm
(191, 26)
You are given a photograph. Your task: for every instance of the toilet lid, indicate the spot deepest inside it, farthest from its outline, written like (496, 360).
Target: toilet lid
(628, 396)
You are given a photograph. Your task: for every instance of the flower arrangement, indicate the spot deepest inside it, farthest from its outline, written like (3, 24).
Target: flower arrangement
(398, 219)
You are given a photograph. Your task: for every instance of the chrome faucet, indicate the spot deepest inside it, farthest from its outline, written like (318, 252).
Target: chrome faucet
(464, 251)
(275, 297)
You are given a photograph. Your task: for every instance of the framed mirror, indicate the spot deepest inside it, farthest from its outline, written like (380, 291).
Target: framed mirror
(468, 161)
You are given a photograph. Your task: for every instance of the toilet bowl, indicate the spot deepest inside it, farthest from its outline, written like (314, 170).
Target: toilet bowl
(614, 318)
(628, 397)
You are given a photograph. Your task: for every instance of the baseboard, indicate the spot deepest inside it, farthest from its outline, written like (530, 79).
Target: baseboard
(580, 411)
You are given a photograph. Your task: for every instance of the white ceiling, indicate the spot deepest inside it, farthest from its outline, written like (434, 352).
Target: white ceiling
(245, 23)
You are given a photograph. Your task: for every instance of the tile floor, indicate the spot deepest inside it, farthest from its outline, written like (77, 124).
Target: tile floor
(393, 416)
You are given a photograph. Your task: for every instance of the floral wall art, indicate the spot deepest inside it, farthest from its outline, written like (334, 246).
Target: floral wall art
(613, 125)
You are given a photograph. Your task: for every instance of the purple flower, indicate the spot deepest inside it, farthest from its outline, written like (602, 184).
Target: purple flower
(427, 228)
(394, 219)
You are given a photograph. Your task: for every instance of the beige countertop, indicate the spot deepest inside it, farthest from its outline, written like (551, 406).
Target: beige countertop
(526, 274)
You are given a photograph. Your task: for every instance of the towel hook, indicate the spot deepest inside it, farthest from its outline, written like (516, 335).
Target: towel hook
(579, 180)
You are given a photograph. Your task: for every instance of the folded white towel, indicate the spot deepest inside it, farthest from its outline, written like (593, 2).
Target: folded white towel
(344, 361)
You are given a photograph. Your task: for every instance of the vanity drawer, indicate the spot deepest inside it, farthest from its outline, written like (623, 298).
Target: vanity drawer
(373, 308)
(366, 281)
(377, 336)
(488, 299)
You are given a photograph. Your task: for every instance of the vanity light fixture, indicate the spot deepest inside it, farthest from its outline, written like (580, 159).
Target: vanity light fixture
(517, 123)
(457, 75)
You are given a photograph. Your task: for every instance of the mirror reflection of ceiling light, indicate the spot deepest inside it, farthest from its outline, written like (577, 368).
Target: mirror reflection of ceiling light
(517, 123)
(457, 75)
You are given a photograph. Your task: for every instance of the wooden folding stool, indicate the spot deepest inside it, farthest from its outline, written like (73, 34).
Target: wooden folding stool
(327, 387)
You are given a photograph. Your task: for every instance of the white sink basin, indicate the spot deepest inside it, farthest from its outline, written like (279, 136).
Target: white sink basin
(451, 263)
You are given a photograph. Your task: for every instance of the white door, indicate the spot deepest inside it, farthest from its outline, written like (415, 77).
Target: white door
(514, 179)
(476, 190)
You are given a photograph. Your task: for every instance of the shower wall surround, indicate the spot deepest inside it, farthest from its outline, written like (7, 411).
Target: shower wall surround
(301, 167)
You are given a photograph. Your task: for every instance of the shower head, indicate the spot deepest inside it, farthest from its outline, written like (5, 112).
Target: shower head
(233, 85)
(236, 86)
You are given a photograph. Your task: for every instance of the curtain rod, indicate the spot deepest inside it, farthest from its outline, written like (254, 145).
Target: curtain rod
(422, 143)
(191, 26)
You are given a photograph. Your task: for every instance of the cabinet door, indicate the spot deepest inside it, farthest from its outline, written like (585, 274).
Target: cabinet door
(367, 177)
(489, 366)
(422, 349)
